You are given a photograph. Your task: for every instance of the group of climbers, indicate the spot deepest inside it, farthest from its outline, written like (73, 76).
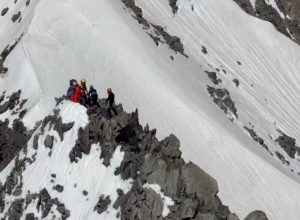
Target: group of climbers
(88, 98)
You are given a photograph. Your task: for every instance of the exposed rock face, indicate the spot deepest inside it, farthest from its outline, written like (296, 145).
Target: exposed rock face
(288, 22)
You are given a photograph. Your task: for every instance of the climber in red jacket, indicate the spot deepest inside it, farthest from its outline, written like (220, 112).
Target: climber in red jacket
(74, 92)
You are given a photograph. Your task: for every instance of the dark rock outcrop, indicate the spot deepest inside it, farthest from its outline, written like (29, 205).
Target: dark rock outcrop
(288, 144)
(222, 98)
(102, 204)
(58, 188)
(16, 16)
(213, 77)
(173, 5)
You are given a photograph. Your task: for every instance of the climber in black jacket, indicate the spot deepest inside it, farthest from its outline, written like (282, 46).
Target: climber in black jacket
(111, 103)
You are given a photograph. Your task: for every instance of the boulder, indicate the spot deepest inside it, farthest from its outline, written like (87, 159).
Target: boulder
(256, 215)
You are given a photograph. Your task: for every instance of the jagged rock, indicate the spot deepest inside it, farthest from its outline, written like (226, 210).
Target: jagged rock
(102, 204)
(16, 210)
(174, 42)
(65, 213)
(142, 203)
(45, 203)
(170, 147)
(30, 216)
(256, 215)
(49, 141)
(222, 98)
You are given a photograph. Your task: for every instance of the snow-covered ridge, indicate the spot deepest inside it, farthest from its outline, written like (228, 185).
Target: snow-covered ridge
(101, 42)
(75, 167)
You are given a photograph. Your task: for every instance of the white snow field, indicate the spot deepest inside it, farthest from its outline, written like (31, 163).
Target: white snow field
(99, 40)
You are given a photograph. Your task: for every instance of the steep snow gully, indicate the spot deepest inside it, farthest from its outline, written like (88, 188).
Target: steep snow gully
(183, 64)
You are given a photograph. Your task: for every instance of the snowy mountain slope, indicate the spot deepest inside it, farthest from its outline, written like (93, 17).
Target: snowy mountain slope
(101, 42)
